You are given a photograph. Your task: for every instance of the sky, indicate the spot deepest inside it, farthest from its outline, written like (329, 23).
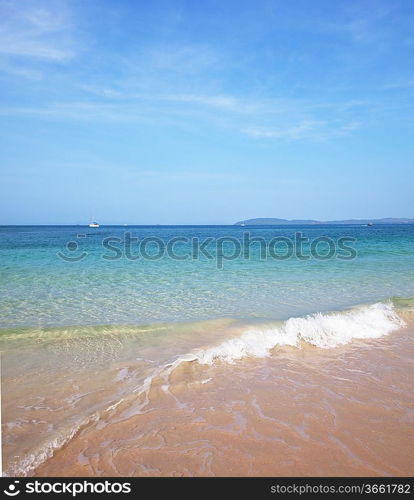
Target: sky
(205, 112)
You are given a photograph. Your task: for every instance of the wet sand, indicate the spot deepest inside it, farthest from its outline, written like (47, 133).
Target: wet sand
(347, 411)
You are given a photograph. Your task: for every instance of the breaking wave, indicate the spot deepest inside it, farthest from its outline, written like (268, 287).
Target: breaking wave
(321, 330)
(325, 331)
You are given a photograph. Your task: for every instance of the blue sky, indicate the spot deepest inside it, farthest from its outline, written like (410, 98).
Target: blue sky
(181, 112)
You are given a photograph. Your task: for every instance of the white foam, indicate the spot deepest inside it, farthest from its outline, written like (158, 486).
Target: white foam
(46, 450)
(321, 330)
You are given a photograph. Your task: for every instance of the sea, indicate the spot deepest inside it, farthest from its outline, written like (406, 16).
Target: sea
(207, 350)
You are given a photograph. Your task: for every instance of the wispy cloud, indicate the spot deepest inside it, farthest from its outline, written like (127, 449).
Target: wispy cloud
(35, 30)
(406, 83)
(222, 101)
(305, 129)
(20, 71)
(235, 114)
(180, 58)
(183, 81)
(77, 111)
(225, 102)
(299, 131)
(361, 22)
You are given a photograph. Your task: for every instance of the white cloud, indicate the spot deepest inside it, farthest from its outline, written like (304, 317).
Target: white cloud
(349, 127)
(400, 84)
(362, 22)
(313, 129)
(177, 58)
(35, 30)
(303, 129)
(217, 101)
(20, 71)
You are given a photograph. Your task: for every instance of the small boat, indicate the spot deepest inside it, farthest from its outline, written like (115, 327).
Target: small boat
(242, 224)
(93, 224)
(370, 224)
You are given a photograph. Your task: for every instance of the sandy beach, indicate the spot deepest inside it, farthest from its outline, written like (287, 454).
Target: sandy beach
(301, 411)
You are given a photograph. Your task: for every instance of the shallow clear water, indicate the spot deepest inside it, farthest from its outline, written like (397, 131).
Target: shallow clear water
(38, 288)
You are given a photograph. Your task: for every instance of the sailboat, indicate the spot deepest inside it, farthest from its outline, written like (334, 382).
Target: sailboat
(92, 223)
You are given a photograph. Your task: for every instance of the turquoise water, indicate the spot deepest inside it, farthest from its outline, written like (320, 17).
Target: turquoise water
(39, 288)
(83, 339)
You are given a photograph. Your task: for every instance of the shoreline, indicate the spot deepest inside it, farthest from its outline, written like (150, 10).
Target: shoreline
(120, 387)
(279, 415)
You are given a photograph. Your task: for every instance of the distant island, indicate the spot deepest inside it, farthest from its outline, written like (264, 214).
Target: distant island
(269, 221)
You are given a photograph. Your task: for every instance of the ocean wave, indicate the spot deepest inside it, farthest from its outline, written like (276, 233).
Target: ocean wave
(47, 449)
(325, 331)
(320, 330)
